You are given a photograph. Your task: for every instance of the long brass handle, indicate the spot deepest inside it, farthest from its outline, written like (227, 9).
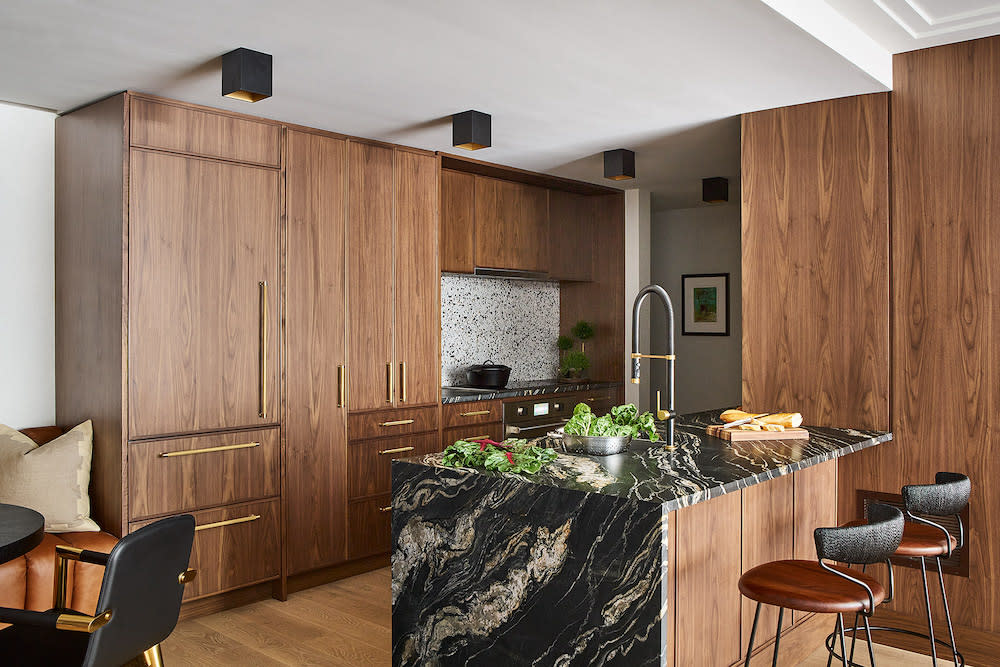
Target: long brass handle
(397, 450)
(262, 286)
(402, 382)
(476, 413)
(230, 522)
(206, 450)
(476, 437)
(398, 422)
(387, 508)
(668, 357)
(341, 385)
(389, 390)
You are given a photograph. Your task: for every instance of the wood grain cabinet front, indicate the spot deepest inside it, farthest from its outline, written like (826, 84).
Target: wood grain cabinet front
(183, 129)
(185, 474)
(369, 527)
(458, 222)
(234, 546)
(385, 423)
(512, 225)
(473, 412)
(369, 462)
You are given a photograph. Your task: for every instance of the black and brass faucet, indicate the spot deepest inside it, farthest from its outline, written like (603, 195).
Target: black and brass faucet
(668, 413)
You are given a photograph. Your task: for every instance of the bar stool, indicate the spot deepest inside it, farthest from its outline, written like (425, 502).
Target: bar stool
(923, 539)
(819, 587)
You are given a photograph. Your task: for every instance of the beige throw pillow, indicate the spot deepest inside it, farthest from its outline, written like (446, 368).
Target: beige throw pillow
(52, 479)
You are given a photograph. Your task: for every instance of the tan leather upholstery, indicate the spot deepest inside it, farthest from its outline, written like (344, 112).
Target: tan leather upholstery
(26, 582)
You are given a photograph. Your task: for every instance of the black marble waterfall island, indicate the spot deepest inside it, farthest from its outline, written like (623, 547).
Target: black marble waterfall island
(568, 566)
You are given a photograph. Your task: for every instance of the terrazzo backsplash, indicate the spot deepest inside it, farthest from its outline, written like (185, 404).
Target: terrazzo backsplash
(512, 322)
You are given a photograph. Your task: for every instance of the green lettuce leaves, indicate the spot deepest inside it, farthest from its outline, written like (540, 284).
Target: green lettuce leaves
(511, 455)
(622, 421)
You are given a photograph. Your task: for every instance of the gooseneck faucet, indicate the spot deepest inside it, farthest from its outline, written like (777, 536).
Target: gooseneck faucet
(669, 356)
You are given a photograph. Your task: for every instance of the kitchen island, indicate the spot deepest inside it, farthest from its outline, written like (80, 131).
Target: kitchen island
(627, 559)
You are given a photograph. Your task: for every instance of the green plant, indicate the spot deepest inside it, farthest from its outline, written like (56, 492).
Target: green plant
(583, 330)
(564, 343)
(622, 421)
(574, 362)
(511, 455)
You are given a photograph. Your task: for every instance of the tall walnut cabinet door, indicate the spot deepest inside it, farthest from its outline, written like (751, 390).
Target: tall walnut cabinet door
(418, 282)
(203, 294)
(370, 295)
(315, 421)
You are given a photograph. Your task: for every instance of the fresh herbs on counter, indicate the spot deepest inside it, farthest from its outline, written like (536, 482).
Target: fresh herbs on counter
(622, 421)
(511, 455)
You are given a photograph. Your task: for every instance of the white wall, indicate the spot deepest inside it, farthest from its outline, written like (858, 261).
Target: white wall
(705, 239)
(27, 277)
(637, 276)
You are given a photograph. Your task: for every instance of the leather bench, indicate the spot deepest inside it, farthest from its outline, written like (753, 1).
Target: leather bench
(26, 582)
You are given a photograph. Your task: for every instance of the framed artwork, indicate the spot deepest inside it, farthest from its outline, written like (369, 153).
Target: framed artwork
(705, 304)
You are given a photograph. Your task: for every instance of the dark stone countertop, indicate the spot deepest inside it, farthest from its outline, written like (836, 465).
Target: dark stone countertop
(698, 468)
(518, 389)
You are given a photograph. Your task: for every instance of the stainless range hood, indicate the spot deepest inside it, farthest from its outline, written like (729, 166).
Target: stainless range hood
(510, 274)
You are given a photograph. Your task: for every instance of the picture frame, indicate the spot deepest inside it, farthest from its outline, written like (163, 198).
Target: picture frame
(705, 304)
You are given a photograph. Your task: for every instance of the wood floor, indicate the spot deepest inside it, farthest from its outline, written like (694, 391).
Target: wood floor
(345, 623)
(885, 656)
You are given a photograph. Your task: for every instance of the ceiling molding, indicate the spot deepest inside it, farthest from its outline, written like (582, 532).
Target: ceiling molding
(920, 22)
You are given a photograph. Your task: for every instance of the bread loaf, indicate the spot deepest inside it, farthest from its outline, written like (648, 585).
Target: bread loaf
(785, 419)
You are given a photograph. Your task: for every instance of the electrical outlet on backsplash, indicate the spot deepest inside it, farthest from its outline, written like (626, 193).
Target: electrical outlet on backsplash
(512, 322)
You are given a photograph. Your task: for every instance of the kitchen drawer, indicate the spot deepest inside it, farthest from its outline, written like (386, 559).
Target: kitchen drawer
(184, 474)
(232, 555)
(473, 412)
(369, 527)
(391, 422)
(368, 461)
(185, 130)
(492, 431)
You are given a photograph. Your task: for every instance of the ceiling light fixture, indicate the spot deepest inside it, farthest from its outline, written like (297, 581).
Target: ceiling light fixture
(619, 164)
(471, 130)
(246, 75)
(715, 190)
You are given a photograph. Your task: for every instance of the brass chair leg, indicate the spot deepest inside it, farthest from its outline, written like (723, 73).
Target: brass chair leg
(152, 656)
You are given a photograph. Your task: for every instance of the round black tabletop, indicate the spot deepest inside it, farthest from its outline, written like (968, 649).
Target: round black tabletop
(21, 530)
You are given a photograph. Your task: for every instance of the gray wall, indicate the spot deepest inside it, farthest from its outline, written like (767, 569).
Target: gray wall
(705, 239)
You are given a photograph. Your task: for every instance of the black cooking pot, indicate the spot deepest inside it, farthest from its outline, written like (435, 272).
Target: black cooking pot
(488, 375)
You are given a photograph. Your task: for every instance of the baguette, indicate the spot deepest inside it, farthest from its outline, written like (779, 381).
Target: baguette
(785, 419)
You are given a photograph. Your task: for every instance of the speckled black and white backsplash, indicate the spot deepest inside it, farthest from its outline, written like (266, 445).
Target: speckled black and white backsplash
(512, 322)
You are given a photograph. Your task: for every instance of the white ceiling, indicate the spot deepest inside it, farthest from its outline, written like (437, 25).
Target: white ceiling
(563, 79)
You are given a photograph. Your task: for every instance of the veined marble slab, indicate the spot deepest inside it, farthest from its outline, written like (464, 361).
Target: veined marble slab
(565, 567)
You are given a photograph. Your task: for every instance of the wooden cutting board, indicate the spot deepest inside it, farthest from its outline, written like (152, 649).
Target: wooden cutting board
(736, 435)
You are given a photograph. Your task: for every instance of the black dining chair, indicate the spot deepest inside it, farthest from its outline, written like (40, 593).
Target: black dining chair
(137, 609)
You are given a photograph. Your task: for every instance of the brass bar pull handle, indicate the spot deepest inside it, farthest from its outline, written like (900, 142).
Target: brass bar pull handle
(398, 422)
(230, 522)
(387, 508)
(402, 382)
(668, 357)
(475, 413)
(389, 390)
(262, 285)
(341, 385)
(476, 437)
(397, 450)
(206, 450)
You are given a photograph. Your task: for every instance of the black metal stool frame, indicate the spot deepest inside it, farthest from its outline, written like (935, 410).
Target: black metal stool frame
(915, 498)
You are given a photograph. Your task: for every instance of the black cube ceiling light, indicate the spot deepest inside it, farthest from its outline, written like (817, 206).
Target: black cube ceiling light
(471, 130)
(715, 190)
(246, 75)
(619, 164)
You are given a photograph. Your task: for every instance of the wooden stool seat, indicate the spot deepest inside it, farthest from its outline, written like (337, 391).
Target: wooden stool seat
(920, 540)
(805, 586)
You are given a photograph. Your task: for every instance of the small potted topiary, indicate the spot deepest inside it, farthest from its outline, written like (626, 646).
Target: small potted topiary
(573, 364)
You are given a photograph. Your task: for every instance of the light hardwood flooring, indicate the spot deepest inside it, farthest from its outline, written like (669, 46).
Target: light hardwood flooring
(346, 623)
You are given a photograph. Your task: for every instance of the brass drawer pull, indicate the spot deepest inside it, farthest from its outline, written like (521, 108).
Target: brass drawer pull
(402, 382)
(389, 389)
(206, 450)
(476, 437)
(387, 508)
(397, 450)
(341, 385)
(262, 285)
(230, 522)
(398, 422)
(476, 413)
